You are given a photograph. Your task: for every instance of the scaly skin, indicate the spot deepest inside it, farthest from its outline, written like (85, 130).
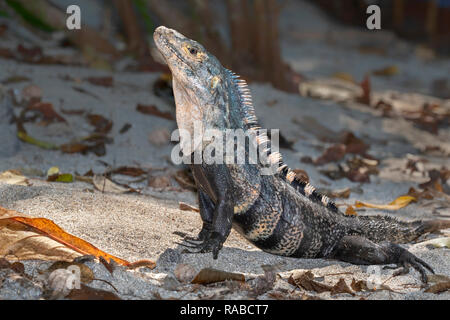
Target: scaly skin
(277, 213)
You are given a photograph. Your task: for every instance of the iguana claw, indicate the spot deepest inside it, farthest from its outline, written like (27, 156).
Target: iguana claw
(213, 244)
(407, 259)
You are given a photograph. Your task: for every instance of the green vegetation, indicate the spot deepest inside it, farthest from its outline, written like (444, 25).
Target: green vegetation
(142, 9)
(29, 17)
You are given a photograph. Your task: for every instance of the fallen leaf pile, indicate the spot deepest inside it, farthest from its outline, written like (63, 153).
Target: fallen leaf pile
(356, 169)
(305, 280)
(34, 109)
(348, 144)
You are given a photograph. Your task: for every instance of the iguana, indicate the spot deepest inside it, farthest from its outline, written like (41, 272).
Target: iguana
(278, 213)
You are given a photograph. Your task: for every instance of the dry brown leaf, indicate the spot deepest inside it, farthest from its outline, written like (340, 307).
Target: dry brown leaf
(154, 111)
(18, 267)
(398, 203)
(341, 193)
(439, 287)
(188, 207)
(101, 81)
(46, 109)
(301, 174)
(209, 275)
(101, 124)
(350, 211)
(359, 285)
(142, 263)
(130, 171)
(341, 287)
(19, 241)
(366, 95)
(103, 184)
(305, 281)
(88, 293)
(13, 177)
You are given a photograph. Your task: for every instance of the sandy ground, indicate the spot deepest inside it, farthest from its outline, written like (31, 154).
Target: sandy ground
(142, 226)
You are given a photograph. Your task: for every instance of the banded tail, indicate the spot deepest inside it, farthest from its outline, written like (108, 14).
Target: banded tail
(386, 228)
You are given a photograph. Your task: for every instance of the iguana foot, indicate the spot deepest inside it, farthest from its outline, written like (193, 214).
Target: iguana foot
(407, 260)
(213, 244)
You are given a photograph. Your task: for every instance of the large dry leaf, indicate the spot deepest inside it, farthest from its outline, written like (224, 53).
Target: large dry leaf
(18, 240)
(398, 203)
(25, 237)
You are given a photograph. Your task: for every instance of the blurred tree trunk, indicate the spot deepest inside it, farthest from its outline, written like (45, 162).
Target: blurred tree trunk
(253, 24)
(202, 27)
(54, 17)
(172, 16)
(136, 41)
(255, 43)
(208, 32)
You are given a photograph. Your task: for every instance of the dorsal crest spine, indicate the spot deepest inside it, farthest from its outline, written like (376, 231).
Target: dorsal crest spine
(250, 120)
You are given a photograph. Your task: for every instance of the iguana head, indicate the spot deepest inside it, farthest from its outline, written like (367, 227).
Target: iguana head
(198, 80)
(192, 66)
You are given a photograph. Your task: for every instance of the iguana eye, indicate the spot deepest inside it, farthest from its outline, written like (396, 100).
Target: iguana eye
(193, 51)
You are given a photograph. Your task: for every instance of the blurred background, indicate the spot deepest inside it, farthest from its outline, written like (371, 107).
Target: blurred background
(335, 88)
(244, 34)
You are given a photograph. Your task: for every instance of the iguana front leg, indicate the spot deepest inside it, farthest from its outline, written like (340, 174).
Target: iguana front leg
(221, 228)
(216, 209)
(360, 250)
(217, 232)
(207, 208)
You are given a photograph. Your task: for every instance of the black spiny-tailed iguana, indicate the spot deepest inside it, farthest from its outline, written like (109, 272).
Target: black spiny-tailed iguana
(278, 213)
